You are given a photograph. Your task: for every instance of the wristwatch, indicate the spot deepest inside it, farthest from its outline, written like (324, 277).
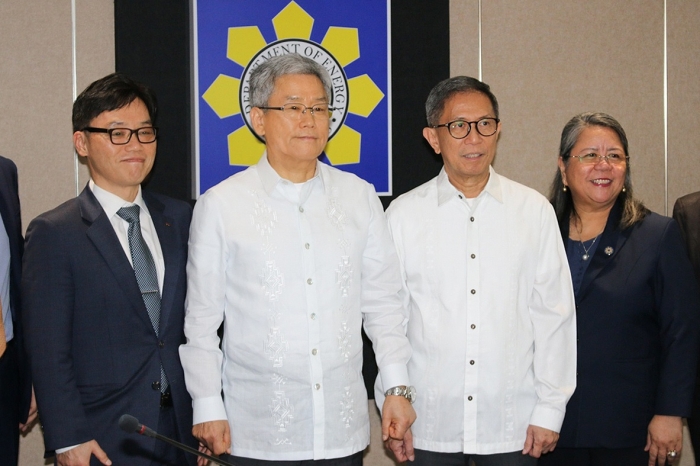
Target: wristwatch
(407, 392)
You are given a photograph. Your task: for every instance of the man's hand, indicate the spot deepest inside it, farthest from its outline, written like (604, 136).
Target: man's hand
(539, 441)
(665, 434)
(215, 435)
(80, 455)
(402, 449)
(203, 461)
(31, 416)
(397, 417)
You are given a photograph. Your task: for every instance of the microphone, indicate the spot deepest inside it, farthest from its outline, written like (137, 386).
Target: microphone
(130, 424)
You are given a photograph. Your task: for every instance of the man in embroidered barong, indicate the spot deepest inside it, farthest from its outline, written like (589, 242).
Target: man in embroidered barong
(294, 257)
(489, 296)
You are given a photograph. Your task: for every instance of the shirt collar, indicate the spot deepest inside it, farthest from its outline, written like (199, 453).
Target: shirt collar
(447, 191)
(270, 179)
(111, 203)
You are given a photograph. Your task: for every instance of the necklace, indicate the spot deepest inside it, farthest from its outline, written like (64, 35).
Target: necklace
(586, 256)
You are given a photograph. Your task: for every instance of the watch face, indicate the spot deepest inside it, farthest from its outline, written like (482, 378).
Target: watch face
(411, 394)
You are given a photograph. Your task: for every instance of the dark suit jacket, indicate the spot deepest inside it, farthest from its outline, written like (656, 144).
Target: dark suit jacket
(9, 209)
(93, 350)
(638, 325)
(686, 212)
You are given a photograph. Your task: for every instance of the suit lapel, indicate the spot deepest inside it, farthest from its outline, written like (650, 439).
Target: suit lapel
(611, 242)
(167, 235)
(101, 232)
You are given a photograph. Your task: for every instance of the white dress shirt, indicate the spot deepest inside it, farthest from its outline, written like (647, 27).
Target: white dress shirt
(111, 203)
(293, 272)
(491, 314)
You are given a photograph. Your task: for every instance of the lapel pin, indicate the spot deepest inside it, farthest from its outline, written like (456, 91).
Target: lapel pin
(609, 250)
(167, 224)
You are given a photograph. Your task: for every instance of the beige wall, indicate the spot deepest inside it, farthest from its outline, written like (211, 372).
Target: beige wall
(36, 94)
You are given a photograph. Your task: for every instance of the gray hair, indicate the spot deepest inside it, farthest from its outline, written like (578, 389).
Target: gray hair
(444, 90)
(633, 210)
(262, 78)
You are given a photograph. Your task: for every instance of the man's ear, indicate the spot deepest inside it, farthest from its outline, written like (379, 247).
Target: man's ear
(257, 120)
(430, 134)
(80, 143)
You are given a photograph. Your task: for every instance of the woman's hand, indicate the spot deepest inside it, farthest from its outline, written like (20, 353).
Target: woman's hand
(665, 434)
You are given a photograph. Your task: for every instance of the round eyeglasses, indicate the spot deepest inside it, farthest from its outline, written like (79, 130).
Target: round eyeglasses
(460, 129)
(295, 110)
(612, 159)
(122, 136)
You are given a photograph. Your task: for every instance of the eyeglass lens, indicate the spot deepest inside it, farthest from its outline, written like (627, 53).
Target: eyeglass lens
(144, 135)
(614, 159)
(460, 129)
(297, 110)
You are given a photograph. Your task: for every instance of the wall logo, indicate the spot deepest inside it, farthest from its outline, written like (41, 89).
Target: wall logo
(339, 96)
(359, 136)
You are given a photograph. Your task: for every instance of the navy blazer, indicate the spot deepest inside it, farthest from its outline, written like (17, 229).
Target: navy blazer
(94, 353)
(638, 326)
(10, 211)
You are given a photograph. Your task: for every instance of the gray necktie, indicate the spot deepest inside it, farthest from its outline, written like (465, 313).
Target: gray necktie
(145, 270)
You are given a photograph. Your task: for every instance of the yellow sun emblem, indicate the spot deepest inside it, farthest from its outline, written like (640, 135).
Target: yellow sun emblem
(340, 47)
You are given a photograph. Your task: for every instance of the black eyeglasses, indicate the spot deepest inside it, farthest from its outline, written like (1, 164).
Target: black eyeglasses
(295, 111)
(460, 129)
(121, 136)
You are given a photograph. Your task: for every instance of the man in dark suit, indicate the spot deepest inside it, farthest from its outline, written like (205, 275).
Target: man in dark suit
(15, 385)
(103, 288)
(686, 212)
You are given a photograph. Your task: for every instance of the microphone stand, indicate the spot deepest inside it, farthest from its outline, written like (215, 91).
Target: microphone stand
(130, 425)
(186, 448)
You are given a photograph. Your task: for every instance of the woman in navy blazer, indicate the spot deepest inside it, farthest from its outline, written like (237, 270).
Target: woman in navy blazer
(637, 306)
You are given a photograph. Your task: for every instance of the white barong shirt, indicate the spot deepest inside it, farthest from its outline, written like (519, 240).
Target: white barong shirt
(491, 314)
(292, 271)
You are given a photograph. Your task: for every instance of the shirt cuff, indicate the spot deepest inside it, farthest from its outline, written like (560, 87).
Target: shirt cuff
(63, 450)
(208, 409)
(547, 417)
(394, 375)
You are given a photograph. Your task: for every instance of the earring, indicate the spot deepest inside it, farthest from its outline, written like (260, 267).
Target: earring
(624, 190)
(564, 188)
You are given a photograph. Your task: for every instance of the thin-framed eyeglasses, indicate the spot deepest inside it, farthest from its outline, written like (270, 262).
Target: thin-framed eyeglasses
(460, 129)
(612, 159)
(294, 110)
(122, 136)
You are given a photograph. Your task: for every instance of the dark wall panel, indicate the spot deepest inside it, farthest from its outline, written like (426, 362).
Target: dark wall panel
(420, 56)
(152, 42)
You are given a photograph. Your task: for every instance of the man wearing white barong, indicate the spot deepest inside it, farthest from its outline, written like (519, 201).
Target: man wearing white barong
(294, 257)
(491, 306)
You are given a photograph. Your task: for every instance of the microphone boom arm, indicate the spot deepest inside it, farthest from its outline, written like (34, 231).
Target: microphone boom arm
(130, 424)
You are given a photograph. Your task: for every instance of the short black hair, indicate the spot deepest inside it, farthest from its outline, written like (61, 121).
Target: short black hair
(444, 90)
(112, 92)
